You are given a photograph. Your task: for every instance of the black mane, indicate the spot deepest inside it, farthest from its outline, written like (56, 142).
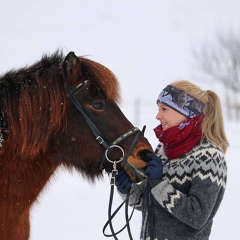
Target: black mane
(29, 78)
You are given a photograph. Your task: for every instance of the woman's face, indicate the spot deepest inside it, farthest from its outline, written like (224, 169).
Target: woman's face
(169, 117)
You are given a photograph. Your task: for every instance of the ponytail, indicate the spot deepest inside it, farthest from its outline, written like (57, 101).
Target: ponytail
(213, 125)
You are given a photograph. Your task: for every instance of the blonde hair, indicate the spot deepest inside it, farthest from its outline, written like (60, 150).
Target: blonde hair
(212, 126)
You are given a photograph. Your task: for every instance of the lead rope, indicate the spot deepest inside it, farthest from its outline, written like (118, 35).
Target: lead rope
(112, 215)
(126, 216)
(113, 178)
(112, 182)
(148, 227)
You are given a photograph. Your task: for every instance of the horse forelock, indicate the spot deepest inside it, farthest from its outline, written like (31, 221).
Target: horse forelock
(32, 103)
(104, 77)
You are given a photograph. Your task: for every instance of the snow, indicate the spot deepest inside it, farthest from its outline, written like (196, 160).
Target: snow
(146, 45)
(71, 208)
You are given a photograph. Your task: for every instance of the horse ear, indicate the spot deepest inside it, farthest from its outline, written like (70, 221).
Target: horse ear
(72, 67)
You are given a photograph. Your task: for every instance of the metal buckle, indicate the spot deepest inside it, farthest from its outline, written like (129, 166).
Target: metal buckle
(113, 180)
(100, 139)
(114, 173)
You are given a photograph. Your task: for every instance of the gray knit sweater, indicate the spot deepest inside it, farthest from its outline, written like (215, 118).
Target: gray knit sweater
(188, 196)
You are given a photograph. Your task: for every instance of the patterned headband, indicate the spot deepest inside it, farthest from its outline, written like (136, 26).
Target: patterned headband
(181, 101)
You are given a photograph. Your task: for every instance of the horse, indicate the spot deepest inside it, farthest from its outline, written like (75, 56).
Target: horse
(41, 128)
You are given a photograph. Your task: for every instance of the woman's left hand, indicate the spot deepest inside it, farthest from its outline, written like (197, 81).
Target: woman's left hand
(154, 168)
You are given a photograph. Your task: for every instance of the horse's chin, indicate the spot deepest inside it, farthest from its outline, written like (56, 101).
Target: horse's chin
(136, 165)
(136, 175)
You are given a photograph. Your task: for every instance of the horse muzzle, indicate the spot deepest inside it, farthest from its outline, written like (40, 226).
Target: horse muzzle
(137, 162)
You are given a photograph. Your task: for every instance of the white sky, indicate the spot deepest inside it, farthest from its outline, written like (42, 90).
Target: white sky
(145, 43)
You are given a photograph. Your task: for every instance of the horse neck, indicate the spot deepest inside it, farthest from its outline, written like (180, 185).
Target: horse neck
(21, 181)
(16, 230)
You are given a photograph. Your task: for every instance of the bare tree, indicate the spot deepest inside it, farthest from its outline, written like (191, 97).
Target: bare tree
(222, 63)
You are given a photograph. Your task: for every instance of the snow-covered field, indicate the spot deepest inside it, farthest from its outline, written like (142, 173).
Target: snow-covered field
(71, 208)
(147, 44)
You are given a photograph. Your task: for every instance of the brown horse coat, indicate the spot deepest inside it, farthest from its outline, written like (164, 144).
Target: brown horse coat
(41, 129)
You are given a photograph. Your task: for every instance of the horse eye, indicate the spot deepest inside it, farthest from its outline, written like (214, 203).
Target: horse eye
(98, 106)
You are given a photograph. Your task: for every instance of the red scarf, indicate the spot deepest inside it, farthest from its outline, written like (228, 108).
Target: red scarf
(182, 138)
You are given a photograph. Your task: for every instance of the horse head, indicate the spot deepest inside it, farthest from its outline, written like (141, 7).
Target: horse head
(75, 145)
(38, 118)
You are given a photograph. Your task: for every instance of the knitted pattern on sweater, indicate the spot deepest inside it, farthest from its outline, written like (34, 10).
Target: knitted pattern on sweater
(189, 194)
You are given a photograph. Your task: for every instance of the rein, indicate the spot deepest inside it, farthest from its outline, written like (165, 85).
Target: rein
(112, 215)
(112, 182)
(109, 147)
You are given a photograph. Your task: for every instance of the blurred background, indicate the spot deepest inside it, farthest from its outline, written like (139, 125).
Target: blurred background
(147, 44)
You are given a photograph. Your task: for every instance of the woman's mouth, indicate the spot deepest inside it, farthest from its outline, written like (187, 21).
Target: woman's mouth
(164, 126)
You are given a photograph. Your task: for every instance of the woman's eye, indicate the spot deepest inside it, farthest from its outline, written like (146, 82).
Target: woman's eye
(98, 106)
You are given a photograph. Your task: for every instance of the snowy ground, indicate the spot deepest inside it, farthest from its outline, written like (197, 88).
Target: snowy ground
(71, 208)
(147, 44)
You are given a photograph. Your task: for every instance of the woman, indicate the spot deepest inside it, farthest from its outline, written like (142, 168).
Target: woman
(187, 176)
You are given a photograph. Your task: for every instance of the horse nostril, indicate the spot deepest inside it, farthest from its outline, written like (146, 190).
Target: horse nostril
(144, 155)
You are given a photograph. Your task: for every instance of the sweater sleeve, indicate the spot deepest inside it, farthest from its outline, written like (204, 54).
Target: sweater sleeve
(200, 204)
(135, 196)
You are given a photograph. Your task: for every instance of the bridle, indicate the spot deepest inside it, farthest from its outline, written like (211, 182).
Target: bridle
(99, 136)
(109, 147)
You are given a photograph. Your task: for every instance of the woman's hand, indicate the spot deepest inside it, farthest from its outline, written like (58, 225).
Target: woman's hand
(154, 168)
(123, 182)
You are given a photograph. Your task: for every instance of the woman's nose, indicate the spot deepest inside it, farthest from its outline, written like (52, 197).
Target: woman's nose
(158, 116)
